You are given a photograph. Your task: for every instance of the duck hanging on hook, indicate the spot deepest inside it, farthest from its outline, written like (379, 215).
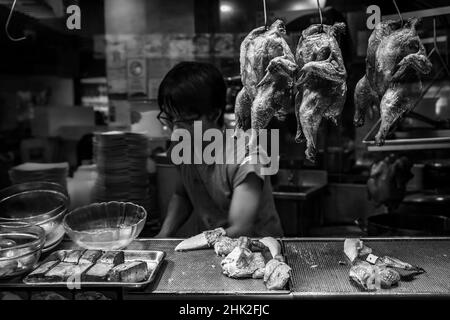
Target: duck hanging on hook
(267, 69)
(321, 83)
(8, 21)
(395, 63)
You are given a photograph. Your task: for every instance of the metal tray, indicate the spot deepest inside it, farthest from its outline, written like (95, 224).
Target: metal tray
(153, 259)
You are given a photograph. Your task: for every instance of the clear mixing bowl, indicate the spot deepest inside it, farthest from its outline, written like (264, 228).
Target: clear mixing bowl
(20, 247)
(39, 203)
(105, 226)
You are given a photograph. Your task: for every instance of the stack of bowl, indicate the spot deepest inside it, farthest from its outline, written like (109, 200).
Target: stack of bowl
(36, 203)
(50, 172)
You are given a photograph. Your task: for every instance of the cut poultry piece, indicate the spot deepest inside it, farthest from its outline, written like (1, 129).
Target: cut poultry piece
(405, 269)
(224, 245)
(371, 277)
(274, 247)
(354, 248)
(269, 84)
(276, 274)
(322, 85)
(203, 240)
(242, 262)
(396, 60)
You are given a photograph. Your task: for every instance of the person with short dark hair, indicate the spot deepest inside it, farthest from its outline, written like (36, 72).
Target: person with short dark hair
(233, 196)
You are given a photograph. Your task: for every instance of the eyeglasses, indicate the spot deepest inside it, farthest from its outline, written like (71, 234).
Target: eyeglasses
(169, 121)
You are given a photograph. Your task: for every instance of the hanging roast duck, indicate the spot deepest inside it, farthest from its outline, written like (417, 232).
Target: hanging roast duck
(321, 86)
(267, 73)
(395, 61)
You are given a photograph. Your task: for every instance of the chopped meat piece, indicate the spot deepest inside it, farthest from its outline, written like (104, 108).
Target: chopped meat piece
(112, 257)
(73, 256)
(225, 245)
(97, 273)
(130, 271)
(38, 273)
(91, 256)
(242, 263)
(276, 274)
(63, 270)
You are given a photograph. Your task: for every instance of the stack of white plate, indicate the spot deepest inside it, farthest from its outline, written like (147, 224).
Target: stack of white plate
(121, 159)
(40, 172)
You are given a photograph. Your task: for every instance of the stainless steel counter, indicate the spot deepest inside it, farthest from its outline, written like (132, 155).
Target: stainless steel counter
(317, 272)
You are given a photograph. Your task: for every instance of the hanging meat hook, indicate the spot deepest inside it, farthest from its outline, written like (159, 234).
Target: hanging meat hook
(320, 15)
(7, 25)
(398, 11)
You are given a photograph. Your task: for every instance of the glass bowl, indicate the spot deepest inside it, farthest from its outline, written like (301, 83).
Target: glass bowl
(105, 226)
(39, 203)
(20, 248)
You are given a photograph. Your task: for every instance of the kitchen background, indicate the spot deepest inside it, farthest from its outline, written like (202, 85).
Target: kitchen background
(59, 87)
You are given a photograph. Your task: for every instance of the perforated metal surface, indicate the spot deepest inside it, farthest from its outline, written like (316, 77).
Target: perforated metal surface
(317, 271)
(197, 272)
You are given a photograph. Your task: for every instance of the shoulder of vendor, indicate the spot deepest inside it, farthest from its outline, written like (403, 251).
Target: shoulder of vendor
(211, 187)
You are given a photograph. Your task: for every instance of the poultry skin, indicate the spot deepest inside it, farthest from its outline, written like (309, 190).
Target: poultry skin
(267, 82)
(322, 84)
(395, 61)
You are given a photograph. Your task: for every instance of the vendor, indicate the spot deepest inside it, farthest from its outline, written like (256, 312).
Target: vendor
(233, 196)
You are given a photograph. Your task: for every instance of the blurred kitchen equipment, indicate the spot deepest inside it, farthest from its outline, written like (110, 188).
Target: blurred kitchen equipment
(105, 226)
(416, 183)
(81, 186)
(437, 175)
(428, 202)
(388, 179)
(20, 247)
(406, 225)
(31, 171)
(38, 203)
(298, 195)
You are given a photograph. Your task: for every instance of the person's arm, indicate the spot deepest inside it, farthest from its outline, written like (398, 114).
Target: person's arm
(244, 206)
(178, 211)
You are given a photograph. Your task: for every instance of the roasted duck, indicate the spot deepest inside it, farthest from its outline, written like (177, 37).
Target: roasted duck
(321, 85)
(267, 73)
(387, 181)
(395, 62)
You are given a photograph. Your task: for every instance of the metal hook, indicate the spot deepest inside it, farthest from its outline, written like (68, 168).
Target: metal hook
(398, 11)
(265, 14)
(320, 15)
(7, 24)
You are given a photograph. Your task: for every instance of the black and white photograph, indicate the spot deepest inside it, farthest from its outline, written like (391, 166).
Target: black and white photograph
(209, 153)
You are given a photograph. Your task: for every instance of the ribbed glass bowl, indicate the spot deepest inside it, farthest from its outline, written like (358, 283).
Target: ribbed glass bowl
(39, 203)
(20, 248)
(106, 225)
